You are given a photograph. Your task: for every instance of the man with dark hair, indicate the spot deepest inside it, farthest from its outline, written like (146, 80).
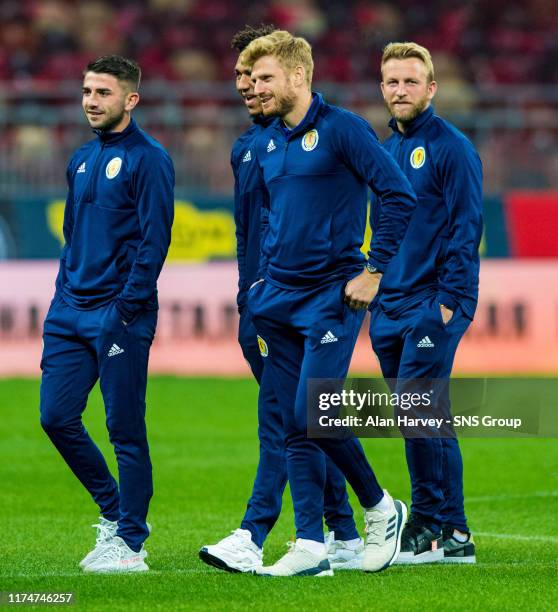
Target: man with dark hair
(101, 322)
(242, 551)
(127, 71)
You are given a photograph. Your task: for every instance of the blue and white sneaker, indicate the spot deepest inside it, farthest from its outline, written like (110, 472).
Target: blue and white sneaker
(298, 562)
(383, 535)
(342, 555)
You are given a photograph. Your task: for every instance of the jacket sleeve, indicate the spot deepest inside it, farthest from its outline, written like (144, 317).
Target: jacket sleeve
(367, 158)
(153, 184)
(240, 230)
(264, 230)
(67, 229)
(461, 172)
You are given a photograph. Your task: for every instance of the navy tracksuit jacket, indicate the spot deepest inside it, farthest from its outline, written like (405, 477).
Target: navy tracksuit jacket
(437, 263)
(250, 203)
(317, 176)
(117, 228)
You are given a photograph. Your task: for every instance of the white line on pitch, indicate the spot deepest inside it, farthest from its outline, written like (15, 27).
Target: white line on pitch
(512, 496)
(516, 536)
(78, 574)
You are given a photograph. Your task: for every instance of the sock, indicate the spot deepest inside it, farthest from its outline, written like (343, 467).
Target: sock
(460, 537)
(354, 543)
(384, 505)
(316, 548)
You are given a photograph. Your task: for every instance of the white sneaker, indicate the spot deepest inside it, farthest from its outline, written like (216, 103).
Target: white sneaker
(106, 530)
(383, 535)
(342, 556)
(298, 562)
(117, 556)
(235, 553)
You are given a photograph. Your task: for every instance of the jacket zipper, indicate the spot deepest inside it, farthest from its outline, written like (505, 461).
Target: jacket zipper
(93, 175)
(284, 168)
(399, 156)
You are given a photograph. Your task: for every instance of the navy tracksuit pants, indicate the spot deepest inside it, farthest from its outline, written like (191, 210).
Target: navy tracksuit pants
(435, 464)
(81, 346)
(293, 323)
(264, 505)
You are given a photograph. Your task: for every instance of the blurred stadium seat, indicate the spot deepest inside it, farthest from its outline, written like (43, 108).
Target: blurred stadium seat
(496, 64)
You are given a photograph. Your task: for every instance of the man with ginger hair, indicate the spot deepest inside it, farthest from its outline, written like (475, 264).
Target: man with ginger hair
(317, 161)
(242, 550)
(428, 295)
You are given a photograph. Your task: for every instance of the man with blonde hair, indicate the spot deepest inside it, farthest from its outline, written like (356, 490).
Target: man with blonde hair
(428, 295)
(317, 161)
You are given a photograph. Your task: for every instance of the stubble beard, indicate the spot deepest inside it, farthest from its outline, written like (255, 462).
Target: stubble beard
(415, 111)
(110, 123)
(285, 103)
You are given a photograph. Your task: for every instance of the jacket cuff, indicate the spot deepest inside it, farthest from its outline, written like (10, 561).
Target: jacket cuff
(379, 265)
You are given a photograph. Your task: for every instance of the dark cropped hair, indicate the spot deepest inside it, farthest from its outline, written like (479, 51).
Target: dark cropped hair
(122, 68)
(244, 37)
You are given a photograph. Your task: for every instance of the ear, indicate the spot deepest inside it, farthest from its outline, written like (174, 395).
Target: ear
(432, 89)
(383, 88)
(299, 76)
(132, 100)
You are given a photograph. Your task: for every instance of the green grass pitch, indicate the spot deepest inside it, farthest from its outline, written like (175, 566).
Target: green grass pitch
(204, 452)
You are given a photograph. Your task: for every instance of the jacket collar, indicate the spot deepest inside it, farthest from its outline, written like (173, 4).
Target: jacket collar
(309, 119)
(415, 124)
(114, 137)
(262, 120)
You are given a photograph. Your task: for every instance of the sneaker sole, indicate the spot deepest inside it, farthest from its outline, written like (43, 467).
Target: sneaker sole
(314, 572)
(430, 556)
(355, 564)
(218, 563)
(401, 510)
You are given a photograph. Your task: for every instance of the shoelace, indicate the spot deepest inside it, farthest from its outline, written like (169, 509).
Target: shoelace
(234, 539)
(112, 552)
(375, 529)
(104, 533)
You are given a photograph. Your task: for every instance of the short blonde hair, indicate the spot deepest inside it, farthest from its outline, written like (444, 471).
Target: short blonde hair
(291, 51)
(405, 50)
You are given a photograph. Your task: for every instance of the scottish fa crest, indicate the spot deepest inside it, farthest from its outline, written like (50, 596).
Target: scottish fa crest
(310, 140)
(262, 345)
(113, 167)
(418, 157)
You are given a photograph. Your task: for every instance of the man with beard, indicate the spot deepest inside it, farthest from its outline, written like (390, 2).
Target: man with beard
(317, 161)
(242, 550)
(428, 295)
(101, 322)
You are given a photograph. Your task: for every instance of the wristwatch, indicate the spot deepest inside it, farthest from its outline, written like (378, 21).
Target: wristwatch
(372, 268)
